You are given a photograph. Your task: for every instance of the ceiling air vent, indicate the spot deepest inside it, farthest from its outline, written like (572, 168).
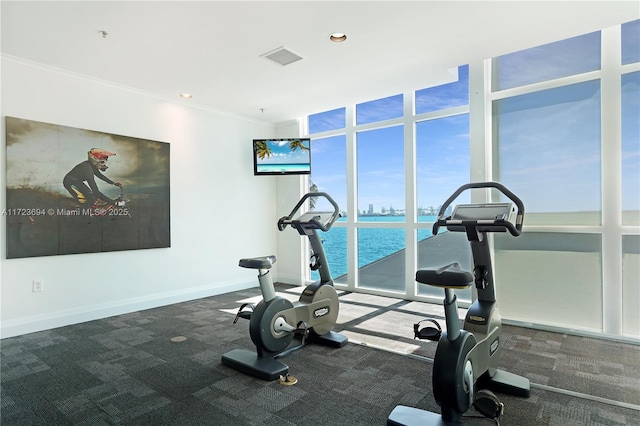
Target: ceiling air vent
(281, 56)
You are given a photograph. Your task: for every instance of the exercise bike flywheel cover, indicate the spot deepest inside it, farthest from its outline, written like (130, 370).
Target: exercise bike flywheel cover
(260, 325)
(324, 318)
(447, 378)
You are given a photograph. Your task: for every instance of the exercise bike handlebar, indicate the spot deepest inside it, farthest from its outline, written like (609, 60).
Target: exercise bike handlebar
(513, 230)
(288, 220)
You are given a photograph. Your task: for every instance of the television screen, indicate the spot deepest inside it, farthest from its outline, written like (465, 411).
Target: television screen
(290, 156)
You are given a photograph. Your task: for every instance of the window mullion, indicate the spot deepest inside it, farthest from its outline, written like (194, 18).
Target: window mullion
(411, 238)
(611, 140)
(479, 123)
(352, 197)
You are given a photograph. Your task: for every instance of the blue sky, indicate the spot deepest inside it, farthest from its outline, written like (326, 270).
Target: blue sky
(549, 147)
(554, 60)
(631, 141)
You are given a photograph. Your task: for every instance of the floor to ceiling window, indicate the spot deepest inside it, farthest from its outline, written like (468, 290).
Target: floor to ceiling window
(556, 142)
(329, 164)
(386, 240)
(442, 165)
(562, 132)
(380, 205)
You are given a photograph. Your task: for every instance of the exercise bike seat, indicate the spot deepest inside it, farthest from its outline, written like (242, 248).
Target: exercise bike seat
(449, 276)
(263, 262)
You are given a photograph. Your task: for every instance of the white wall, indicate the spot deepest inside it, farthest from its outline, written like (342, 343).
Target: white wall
(218, 208)
(291, 245)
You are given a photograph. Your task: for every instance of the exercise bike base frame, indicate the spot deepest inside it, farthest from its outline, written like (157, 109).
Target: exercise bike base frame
(409, 416)
(269, 368)
(331, 339)
(248, 362)
(506, 383)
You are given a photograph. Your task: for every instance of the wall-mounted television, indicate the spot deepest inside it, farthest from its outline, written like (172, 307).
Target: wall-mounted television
(291, 156)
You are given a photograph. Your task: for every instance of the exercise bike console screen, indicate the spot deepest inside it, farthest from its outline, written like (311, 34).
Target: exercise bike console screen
(322, 217)
(488, 217)
(490, 211)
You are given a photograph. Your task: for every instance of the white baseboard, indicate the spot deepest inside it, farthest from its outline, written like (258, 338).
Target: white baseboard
(48, 321)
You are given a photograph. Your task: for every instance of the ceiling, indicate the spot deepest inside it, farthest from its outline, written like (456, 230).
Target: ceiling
(212, 49)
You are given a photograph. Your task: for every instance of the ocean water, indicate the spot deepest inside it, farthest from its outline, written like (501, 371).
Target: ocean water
(373, 243)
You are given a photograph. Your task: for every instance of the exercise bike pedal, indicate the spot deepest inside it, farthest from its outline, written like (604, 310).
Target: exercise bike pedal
(302, 331)
(487, 403)
(427, 333)
(246, 314)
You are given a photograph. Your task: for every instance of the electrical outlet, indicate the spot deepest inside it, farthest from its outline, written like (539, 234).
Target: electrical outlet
(38, 286)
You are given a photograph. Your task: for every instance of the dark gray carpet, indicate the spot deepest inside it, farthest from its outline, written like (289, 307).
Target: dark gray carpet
(126, 370)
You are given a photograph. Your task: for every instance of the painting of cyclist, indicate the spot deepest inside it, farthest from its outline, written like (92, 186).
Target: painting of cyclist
(87, 171)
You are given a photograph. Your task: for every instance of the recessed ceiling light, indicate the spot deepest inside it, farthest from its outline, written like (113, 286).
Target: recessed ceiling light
(186, 95)
(338, 37)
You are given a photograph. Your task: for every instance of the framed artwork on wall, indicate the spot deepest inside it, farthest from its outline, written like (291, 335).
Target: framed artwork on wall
(72, 190)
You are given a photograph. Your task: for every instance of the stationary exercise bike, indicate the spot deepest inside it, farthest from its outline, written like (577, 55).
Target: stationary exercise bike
(465, 364)
(275, 321)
